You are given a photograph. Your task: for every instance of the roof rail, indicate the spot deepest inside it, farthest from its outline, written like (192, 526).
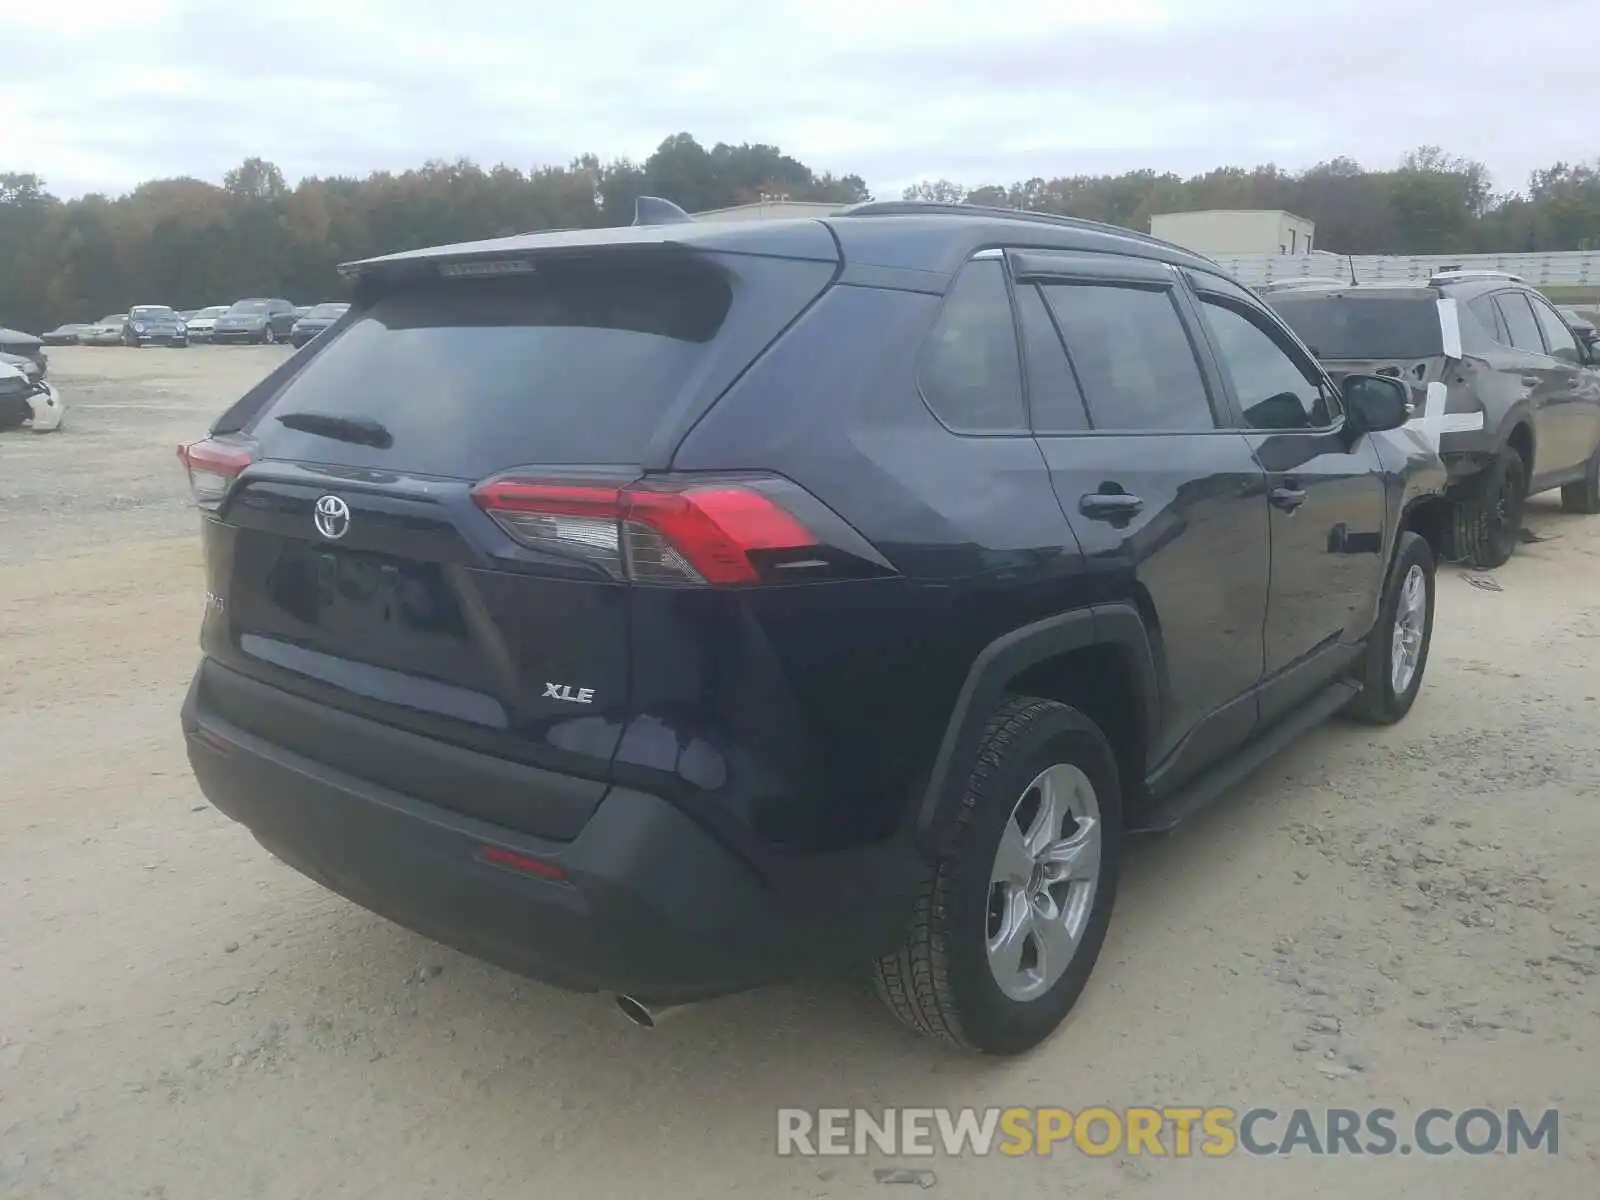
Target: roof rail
(1306, 281)
(652, 210)
(1458, 275)
(934, 208)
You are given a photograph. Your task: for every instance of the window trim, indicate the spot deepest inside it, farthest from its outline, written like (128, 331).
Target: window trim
(1139, 278)
(1535, 301)
(1066, 357)
(919, 367)
(1511, 345)
(1286, 341)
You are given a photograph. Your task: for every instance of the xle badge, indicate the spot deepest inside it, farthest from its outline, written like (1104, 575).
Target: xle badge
(563, 691)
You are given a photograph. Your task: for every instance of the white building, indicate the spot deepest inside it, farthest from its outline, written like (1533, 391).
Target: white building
(770, 210)
(1218, 231)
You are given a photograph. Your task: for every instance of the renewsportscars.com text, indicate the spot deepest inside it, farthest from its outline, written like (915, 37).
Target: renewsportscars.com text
(1167, 1131)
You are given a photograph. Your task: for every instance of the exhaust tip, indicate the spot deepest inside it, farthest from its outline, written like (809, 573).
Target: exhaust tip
(636, 1013)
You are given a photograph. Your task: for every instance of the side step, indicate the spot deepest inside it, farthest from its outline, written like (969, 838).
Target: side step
(1211, 786)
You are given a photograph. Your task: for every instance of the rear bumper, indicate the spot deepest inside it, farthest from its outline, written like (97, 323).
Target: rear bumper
(651, 905)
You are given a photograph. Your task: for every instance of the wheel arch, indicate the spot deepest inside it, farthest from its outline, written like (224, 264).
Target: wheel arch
(1519, 437)
(1103, 660)
(1430, 517)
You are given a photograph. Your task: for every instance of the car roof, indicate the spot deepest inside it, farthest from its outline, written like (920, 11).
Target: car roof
(909, 235)
(1359, 291)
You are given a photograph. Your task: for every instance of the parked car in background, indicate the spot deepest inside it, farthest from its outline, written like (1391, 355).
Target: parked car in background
(1496, 377)
(154, 325)
(204, 322)
(64, 335)
(15, 341)
(939, 547)
(107, 331)
(316, 320)
(31, 368)
(255, 320)
(26, 398)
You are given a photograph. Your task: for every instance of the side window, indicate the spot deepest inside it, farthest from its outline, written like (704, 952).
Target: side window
(1556, 334)
(970, 375)
(1276, 390)
(1487, 314)
(1520, 321)
(1132, 357)
(1055, 402)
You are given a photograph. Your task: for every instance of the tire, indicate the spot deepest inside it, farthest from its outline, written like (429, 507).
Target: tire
(269, 336)
(940, 981)
(1584, 496)
(1381, 701)
(1488, 523)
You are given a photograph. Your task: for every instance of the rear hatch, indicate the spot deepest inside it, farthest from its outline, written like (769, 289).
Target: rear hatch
(417, 531)
(1410, 334)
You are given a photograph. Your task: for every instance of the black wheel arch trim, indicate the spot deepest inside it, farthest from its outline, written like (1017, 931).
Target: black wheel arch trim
(1119, 626)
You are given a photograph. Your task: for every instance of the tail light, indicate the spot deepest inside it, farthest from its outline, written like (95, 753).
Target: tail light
(714, 533)
(212, 467)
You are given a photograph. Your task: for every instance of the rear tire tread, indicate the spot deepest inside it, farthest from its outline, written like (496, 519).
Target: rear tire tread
(915, 980)
(1474, 521)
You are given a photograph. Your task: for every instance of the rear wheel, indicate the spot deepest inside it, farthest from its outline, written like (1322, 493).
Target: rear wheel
(1010, 923)
(1397, 648)
(269, 336)
(1584, 496)
(1489, 520)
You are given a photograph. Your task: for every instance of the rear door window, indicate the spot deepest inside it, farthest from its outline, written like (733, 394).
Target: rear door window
(1520, 321)
(1132, 357)
(1557, 337)
(970, 375)
(477, 375)
(1055, 402)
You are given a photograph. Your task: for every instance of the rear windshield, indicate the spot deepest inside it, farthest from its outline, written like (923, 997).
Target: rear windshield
(249, 306)
(473, 376)
(327, 310)
(1343, 327)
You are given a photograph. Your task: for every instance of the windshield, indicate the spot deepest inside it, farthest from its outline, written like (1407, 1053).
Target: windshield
(249, 306)
(1363, 327)
(328, 310)
(151, 310)
(114, 319)
(473, 378)
(215, 310)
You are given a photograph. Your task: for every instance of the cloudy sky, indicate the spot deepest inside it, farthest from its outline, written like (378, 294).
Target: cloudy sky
(103, 94)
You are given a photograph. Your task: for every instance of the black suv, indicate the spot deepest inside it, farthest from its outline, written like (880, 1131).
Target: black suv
(1500, 384)
(670, 609)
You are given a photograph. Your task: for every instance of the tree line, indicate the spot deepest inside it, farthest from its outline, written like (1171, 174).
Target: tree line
(187, 242)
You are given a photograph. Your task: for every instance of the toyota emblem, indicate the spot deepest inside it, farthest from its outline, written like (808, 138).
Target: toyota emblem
(332, 517)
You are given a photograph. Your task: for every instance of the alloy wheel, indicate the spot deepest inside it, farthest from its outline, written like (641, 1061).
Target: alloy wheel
(1043, 882)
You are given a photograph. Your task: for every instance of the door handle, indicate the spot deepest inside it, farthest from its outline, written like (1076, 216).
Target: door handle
(1108, 506)
(1287, 498)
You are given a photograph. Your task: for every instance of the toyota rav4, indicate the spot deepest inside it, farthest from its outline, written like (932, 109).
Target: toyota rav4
(667, 610)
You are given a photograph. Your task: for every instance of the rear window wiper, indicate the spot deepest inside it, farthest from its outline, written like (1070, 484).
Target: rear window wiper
(363, 431)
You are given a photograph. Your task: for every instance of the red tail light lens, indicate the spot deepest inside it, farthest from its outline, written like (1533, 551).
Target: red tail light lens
(646, 533)
(212, 467)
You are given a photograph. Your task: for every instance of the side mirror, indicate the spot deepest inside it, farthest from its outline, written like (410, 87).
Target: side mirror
(1374, 403)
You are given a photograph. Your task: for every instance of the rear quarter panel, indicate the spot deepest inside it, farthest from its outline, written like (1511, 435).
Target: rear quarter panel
(831, 698)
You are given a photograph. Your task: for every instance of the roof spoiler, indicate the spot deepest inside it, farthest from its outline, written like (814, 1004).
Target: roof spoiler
(652, 210)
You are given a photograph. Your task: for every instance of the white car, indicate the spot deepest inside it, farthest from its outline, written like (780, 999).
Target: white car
(27, 400)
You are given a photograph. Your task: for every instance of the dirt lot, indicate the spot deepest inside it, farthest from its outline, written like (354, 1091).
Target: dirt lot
(1407, 918)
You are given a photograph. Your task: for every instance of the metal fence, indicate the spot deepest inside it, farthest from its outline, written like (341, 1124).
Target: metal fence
(1568, 268)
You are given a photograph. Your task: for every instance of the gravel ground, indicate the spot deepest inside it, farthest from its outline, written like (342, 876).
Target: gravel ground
(1403, 918)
